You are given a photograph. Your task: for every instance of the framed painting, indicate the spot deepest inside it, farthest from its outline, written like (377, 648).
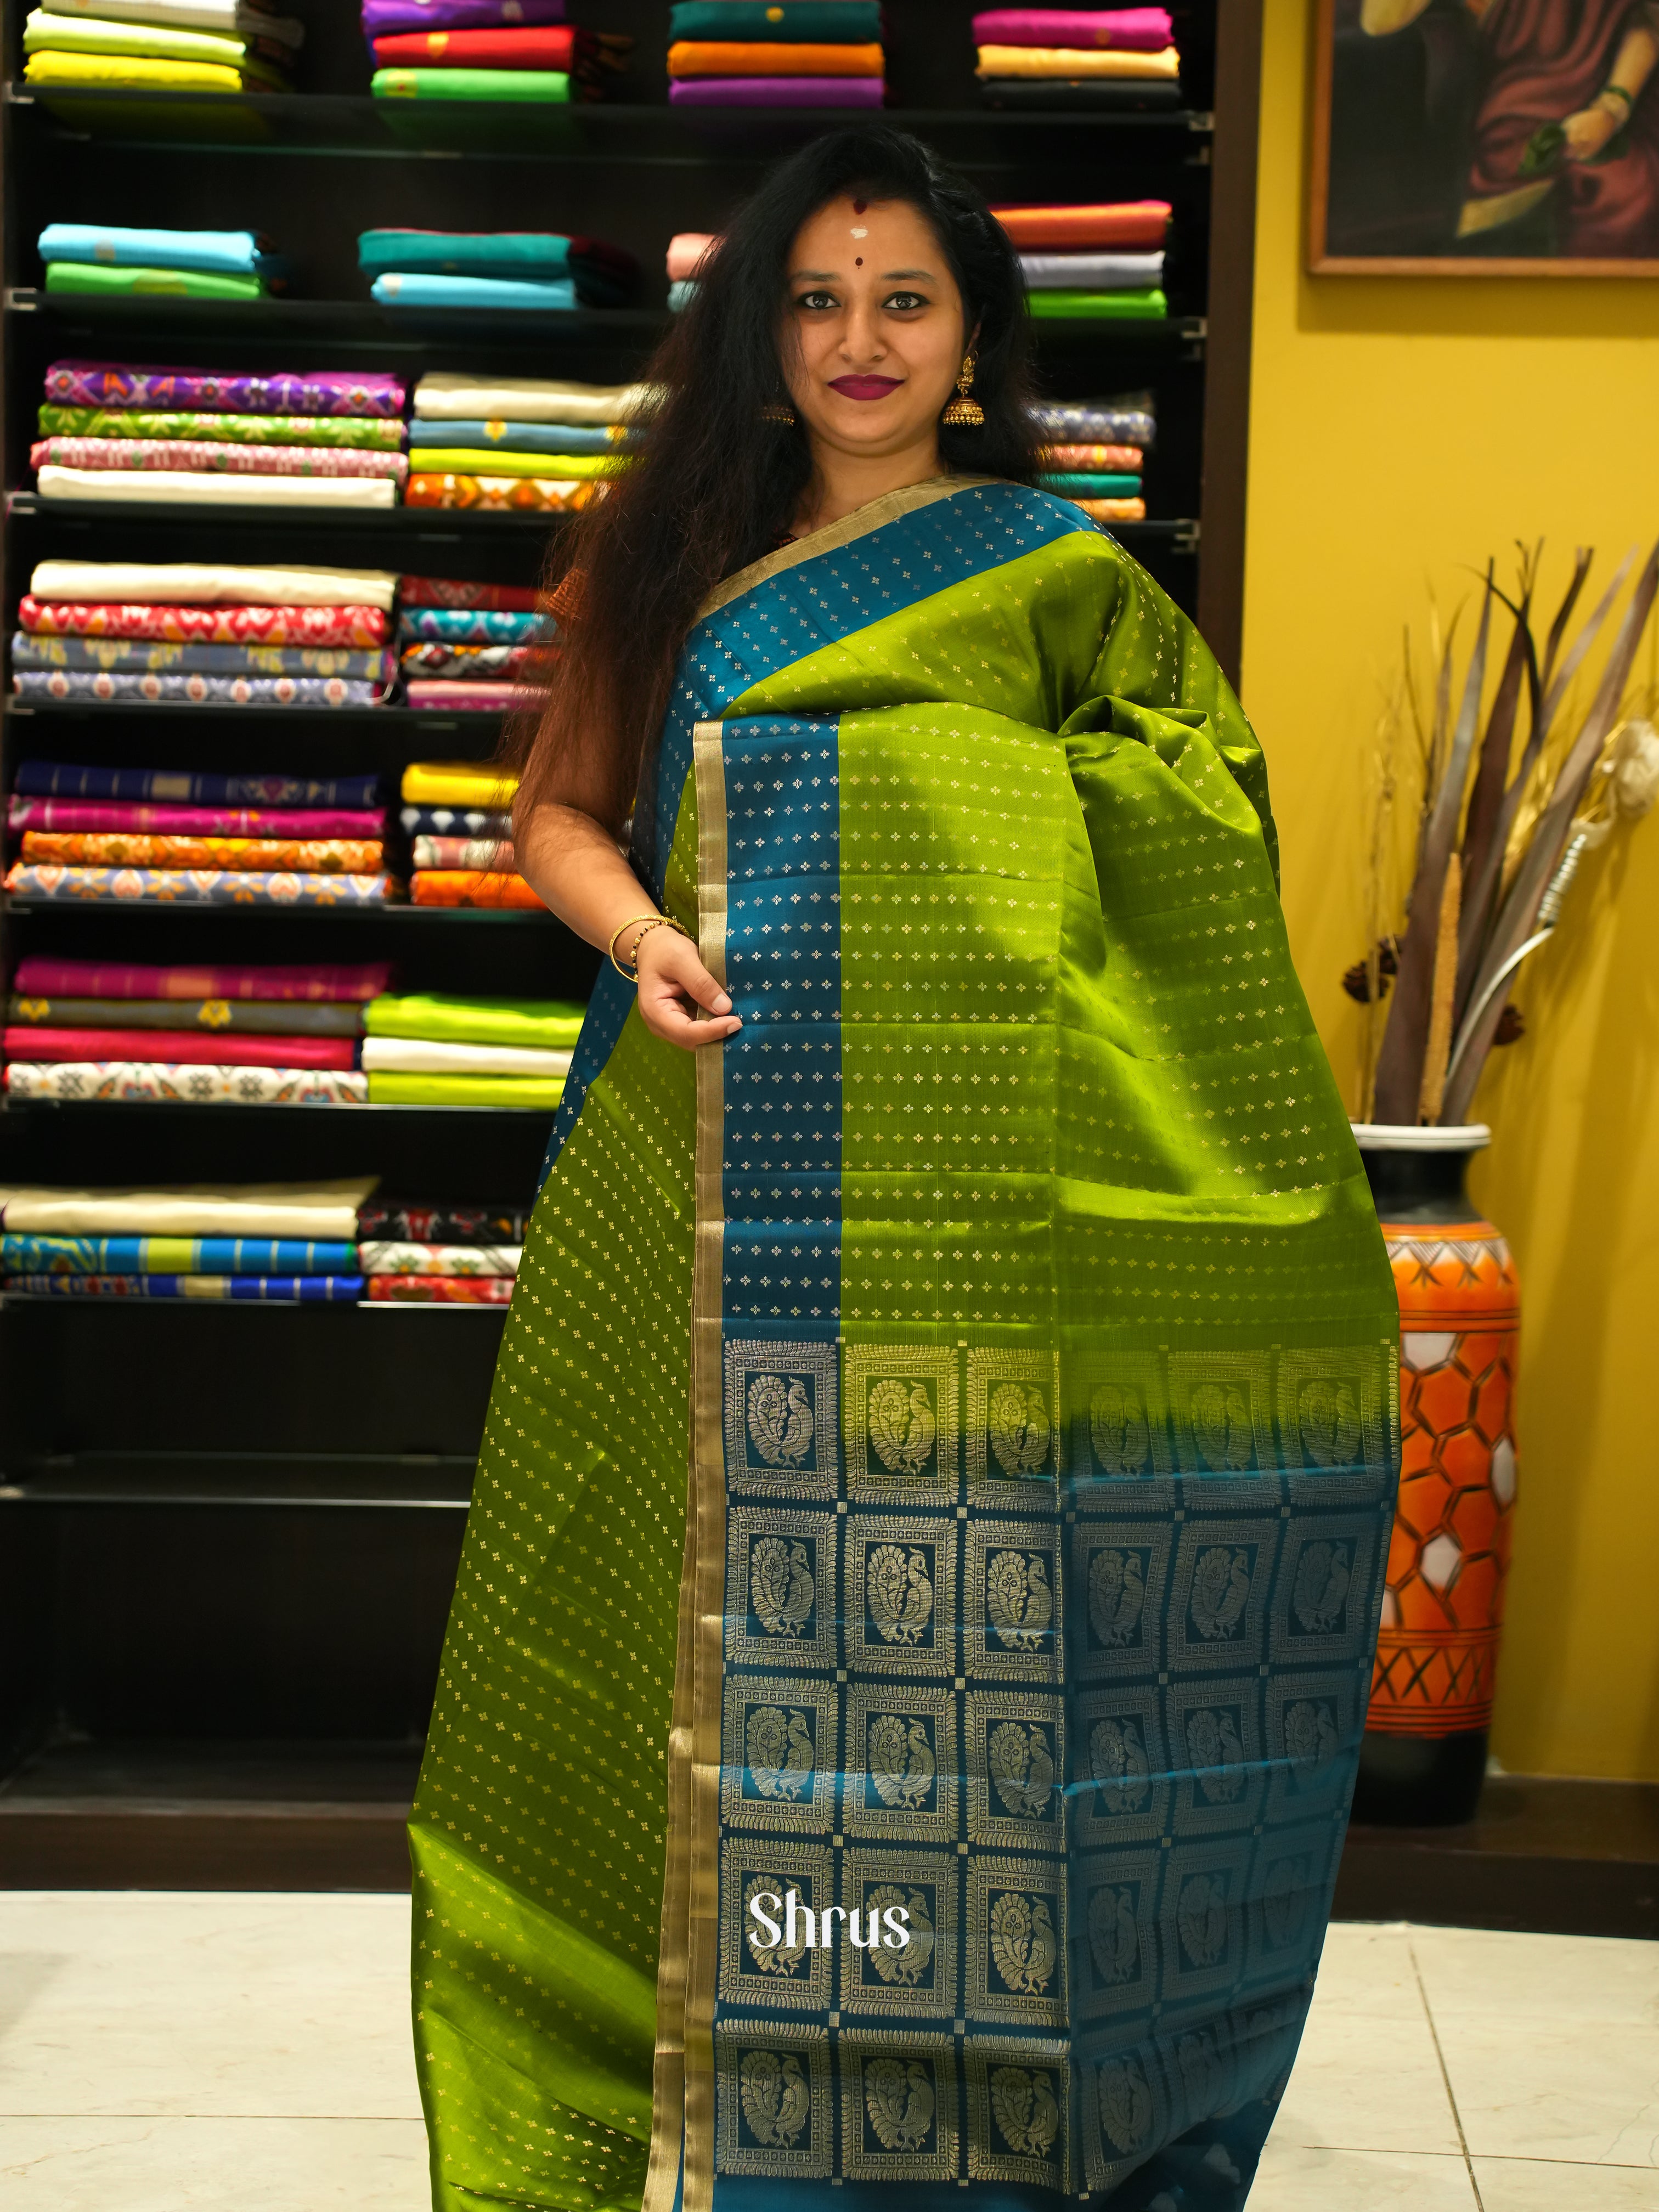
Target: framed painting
(1486, 138)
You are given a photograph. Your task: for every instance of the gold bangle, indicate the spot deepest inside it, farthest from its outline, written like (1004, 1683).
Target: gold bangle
(645, 923)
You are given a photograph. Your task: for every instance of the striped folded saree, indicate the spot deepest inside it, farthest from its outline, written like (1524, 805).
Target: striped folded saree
(952, 1794)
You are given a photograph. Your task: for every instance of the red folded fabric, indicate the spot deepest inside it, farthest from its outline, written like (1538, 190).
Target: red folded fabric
(441, 1289)
(180, 1048)
(457, 591)
(1122, 222)
(231, 625)
(554, 47)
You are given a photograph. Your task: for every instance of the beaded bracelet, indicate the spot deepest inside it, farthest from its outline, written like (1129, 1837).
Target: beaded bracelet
(645, 923)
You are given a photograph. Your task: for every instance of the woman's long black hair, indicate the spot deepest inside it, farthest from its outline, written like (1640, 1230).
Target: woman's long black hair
(715, 485)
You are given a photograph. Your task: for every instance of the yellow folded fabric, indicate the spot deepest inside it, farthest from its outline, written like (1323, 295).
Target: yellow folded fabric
(469, 460)
(146, 70)
(45, 32)
(458, 783)
(1075, 61)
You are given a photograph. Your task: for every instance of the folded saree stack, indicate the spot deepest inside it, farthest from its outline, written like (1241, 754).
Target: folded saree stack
(464, 645)
(454, 1256)
(530, 444)
(1103, 262)
(186, 265)
(487, 50)
(1070, 57)
(215, 1035)
(687, 250)
(280, 1243)
(164, 46)
(516, 268)
(95, 833)
(438, 1049)
(458, 815)
(777, 53)
(203, 634)
(1096, 443)
(272, 457)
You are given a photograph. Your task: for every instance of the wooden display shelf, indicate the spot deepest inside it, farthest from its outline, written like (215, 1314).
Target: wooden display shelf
(403, 1482)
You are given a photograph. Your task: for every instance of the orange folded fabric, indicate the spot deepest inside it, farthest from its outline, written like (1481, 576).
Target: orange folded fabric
(502, 495)
(769, 57)
(1100, 510)
(1120, 222)
(472, 887)
(1102, 461)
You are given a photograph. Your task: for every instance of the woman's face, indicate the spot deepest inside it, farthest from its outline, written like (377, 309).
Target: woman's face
(873, 336)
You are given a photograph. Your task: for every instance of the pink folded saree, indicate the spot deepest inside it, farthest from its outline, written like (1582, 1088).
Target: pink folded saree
(1146, 30)
(180, 1048)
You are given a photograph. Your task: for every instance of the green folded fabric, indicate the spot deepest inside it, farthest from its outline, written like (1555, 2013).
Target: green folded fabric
(1116, 307)
(1071, 484)
(471, 460)
(182, 283)
(88, 34)
(548, 85)
(550, 1023)
(386, 437)
(541, 1091)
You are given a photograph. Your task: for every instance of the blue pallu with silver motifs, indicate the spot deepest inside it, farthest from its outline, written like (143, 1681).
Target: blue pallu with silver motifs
(1039, 1381)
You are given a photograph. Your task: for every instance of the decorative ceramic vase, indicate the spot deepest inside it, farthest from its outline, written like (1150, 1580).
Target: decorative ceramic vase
(1424, 1752)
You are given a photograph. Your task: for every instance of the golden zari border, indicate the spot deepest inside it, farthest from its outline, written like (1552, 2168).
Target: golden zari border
(688, 1977)
(874, 514)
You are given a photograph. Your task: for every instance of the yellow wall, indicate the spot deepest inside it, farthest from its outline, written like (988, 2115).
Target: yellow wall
(1401, 430)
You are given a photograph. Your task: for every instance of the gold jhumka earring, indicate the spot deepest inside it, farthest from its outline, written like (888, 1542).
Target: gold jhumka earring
(964, 411)
(778, 411)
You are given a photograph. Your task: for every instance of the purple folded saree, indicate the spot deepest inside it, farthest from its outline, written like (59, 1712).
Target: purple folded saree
(1130, 30)
(382, 17)
(777, 91)
(314, 391)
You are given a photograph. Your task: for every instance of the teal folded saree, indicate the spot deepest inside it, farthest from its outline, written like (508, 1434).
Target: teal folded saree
(912, 1640)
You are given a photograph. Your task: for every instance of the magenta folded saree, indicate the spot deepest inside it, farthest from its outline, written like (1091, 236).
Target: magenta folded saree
(93, 817)
(178, 1048)
(40, 977)
(381, 18)
(1131, 30)
(315, 391)
(777, 91)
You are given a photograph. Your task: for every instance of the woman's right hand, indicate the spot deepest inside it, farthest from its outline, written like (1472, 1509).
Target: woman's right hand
(673, 985)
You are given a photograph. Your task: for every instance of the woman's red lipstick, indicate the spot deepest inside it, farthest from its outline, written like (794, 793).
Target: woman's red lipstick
(864, 387)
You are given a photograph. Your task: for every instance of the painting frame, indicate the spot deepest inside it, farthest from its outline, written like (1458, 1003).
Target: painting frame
(1322, 261)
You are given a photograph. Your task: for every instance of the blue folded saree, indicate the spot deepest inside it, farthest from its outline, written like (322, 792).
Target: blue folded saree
(523, 437)
(901, 1708)
(400, 290)
(22, 1255)
(272, 1290)
(224, 253)
(194, 788)
(527, 253)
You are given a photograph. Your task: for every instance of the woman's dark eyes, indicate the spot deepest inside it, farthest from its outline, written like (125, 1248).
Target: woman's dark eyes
(902, 303)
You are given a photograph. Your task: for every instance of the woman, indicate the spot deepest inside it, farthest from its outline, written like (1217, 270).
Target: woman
(947, 1788)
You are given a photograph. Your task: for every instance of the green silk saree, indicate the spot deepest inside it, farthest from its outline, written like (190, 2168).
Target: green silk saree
(1012, 1290)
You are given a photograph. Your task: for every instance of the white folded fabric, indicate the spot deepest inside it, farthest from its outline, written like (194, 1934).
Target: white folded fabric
(1091, 272)
(439, 1259)
(225, 18)
(210, 584)
(316, 1213)
(386, 1056)
(446, 395)
(182, 487)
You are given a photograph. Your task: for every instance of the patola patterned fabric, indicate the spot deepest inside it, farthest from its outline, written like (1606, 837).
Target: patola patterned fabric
(1012, 1286)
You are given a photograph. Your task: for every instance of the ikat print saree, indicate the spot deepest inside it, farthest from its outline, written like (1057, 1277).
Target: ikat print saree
(1012, 1287)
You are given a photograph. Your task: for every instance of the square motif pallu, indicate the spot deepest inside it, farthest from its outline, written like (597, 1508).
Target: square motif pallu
(936, 1798)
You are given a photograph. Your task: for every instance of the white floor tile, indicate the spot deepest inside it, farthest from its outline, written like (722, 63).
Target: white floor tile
(251, 2165)
(1367, 2076)
(1551, 2042)
(1533, 2185)
(1291, 2179)
(200, 2005)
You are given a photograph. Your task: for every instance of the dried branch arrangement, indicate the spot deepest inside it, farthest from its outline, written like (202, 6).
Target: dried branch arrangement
(1507, 810)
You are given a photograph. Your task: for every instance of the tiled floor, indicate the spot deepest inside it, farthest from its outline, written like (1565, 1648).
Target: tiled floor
(160, 2052)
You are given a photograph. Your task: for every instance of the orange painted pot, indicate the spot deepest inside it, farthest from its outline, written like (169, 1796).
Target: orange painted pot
(1425, 1751)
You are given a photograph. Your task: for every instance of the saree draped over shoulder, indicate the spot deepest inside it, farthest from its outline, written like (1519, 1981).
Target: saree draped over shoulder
(947, 1795)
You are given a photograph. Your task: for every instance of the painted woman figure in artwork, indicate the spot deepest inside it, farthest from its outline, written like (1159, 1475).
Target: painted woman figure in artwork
(902, 1698)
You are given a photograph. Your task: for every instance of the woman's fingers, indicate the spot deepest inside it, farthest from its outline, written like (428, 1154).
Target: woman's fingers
(679, 999)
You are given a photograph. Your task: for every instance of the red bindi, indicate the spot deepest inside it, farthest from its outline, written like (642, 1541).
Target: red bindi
(859, 261)
(859, 206)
